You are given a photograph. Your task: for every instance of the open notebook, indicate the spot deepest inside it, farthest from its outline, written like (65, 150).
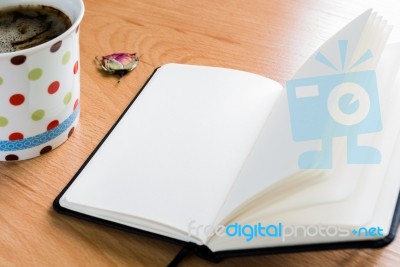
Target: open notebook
(235, 163)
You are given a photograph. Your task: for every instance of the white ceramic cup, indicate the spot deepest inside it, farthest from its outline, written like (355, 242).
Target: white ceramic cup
(39, 89)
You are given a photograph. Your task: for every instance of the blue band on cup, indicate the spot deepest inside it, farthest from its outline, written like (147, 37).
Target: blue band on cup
(39, 139)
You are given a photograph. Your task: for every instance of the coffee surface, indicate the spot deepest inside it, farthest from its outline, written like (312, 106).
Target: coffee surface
(26, 26)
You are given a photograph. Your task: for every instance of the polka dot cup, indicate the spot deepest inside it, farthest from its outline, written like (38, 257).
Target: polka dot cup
(39, 89)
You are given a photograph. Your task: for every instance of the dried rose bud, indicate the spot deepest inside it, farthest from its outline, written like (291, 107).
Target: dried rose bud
(119, 63)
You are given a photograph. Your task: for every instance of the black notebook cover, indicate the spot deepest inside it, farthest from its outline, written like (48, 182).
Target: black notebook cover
(203, 251)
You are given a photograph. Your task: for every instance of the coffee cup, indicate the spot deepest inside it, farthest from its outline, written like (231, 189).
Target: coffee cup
(40, 88)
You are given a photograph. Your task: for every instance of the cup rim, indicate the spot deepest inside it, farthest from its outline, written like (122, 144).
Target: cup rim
(34, 49)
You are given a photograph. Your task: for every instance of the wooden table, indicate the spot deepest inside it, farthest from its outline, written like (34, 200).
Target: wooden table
(268, 37)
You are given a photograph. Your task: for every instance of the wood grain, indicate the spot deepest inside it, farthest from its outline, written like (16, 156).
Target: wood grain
(271, 38)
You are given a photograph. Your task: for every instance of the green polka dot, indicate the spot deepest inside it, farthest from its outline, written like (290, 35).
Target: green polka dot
(1, 81)
(3, 121)
(38, 115)
(66, 57)
(67, 98)
(35, 74)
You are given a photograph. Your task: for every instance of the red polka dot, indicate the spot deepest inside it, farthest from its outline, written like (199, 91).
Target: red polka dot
(76, 104)
(76, 67)
(17, 99)
(15, 136)
(52, 125)
(53, 87)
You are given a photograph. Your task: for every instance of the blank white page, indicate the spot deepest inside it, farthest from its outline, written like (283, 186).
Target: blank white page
(176, 152)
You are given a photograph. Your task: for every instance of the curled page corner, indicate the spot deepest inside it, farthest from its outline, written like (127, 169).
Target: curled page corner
(335, 94)
(350, 48)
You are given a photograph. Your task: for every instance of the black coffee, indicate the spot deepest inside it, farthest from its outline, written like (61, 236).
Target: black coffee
(26, 26)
